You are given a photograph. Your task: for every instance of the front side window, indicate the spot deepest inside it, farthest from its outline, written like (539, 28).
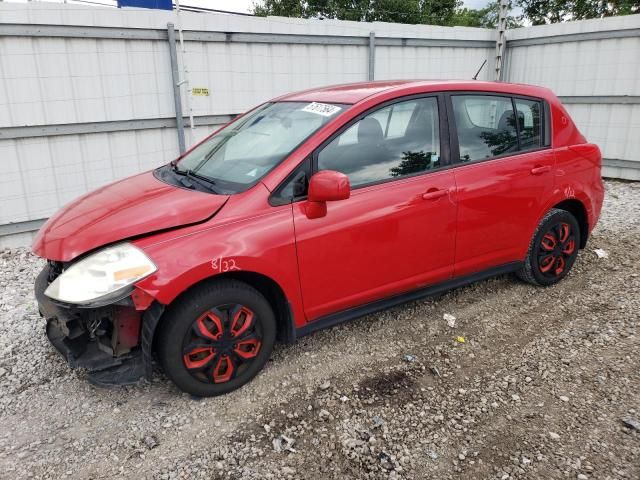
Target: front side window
(239, 155)
(398, 140)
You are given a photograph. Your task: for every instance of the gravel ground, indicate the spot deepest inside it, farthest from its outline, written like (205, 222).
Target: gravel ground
(541, 388)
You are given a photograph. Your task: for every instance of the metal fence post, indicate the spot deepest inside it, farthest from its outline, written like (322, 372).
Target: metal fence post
(506, 63)
(175, 77)
(501, 39)
(372, 56)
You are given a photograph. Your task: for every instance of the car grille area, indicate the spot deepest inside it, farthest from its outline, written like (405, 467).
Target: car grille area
(92, 338)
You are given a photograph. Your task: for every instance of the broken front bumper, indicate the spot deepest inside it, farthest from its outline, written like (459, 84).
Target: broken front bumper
(112, 342)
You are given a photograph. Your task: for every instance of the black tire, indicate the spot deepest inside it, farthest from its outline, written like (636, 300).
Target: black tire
(182, 325)
(537, 268)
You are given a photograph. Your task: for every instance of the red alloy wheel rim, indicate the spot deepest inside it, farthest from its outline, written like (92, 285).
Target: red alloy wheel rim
(557, 245)
(222, 343)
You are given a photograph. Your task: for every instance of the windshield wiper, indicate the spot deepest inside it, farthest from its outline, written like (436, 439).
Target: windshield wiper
(201, 180)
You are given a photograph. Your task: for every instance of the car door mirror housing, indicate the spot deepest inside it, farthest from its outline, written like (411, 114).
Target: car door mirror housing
(326, 186)
(329, 186)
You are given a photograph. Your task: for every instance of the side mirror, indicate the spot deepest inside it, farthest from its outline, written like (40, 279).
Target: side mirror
(326, 186)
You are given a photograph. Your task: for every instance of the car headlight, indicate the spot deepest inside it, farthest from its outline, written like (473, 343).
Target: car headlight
(106, 273)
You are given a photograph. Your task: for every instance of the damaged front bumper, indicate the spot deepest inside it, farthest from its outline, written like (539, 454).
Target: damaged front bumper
(112, 342)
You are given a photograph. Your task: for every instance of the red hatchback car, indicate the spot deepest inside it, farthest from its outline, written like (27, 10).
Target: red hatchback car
(307, 211)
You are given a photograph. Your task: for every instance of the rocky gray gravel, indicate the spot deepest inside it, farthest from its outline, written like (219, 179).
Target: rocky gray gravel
(545, 385)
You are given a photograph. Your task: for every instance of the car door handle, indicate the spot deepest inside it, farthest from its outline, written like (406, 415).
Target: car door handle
(540, 170)
(434, 194)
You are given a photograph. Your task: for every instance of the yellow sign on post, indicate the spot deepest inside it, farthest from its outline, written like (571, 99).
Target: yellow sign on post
(200, 92)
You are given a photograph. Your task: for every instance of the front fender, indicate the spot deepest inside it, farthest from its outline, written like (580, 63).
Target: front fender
(263, 244)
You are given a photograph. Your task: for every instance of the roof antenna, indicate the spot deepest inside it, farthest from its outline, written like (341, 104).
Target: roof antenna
(475, 77)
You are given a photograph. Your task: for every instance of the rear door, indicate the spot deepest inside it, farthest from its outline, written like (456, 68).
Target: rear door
(397, 230)
(504, 173)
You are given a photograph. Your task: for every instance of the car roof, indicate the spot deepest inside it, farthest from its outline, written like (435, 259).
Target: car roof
(352, 93)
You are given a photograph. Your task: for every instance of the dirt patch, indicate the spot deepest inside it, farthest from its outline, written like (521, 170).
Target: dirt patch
(386, 385)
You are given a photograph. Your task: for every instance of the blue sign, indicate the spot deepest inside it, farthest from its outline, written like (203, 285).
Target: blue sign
(159, 4)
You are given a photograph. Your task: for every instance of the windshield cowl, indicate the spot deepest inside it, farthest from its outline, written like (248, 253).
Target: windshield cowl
(170, 175)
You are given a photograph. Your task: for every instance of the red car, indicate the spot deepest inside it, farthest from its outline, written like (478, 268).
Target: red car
(307, 211)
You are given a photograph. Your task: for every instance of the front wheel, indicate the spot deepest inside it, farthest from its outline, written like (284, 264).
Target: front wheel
(553, 249)
(216, 338)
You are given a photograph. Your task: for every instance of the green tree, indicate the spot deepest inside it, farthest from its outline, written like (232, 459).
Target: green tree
(434, 12)
(469, 17)
(395, 11)
(446, 12)
(541, 12)
(439, 12)
(354, 10)
(281, 8)
(490, 16)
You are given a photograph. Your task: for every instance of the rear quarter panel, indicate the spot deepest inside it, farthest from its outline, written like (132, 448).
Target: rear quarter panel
(578, 176)
(578, 166)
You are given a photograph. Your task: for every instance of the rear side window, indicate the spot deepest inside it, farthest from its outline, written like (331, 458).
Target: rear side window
(530, 115)
(398, 140)
(487, 126)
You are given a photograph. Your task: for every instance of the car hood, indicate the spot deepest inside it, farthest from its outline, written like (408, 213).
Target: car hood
(128, 208)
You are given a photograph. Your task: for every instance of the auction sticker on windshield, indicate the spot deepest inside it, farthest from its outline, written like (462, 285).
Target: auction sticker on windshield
(324, 109)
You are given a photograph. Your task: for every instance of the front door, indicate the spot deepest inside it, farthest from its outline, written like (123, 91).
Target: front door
(396, 232)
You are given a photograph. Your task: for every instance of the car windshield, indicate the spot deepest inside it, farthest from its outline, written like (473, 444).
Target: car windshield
(239, 155)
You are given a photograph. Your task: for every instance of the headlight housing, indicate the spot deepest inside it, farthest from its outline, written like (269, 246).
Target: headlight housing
(101, 276)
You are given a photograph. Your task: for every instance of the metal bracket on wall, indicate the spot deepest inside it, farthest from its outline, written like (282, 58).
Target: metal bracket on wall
(575, 37)
(32, 131)
(72, 31)
(600, 99)
(21, 227)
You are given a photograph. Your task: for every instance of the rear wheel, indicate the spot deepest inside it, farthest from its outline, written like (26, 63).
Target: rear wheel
(217, 338)
(553, 249)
